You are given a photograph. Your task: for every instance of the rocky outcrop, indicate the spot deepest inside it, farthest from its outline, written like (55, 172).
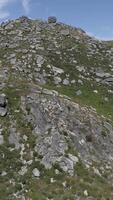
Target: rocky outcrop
(3, 105)
(52, 19)
(58, 123)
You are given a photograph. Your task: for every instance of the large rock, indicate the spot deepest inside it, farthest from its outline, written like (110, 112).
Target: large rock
(14, 138)
(1, 139)
(3, 106)
(57, 70)
(57, 80)
(3, 112)
(2, 100)
(65, 32)
(52, 19)
(24, 19)
(108, 81)
(40, 60)
(65, 82)
(36, 172)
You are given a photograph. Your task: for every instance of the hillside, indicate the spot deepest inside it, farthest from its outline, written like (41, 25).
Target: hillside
(56, 112)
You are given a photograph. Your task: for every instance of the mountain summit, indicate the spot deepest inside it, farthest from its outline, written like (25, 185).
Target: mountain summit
(56, 112)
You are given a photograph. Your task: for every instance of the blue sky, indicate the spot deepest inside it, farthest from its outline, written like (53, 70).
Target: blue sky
(94, 16)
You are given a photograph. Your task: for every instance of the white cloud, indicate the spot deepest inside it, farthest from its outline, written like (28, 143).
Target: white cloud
(26, 5)
(3, 4)
(4, 13)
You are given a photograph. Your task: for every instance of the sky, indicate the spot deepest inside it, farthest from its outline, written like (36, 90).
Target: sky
(93, 16)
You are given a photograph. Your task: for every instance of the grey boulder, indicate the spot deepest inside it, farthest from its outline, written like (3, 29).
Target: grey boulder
(3, 106)
(52, 19)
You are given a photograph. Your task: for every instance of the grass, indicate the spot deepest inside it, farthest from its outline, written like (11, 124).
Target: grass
(88, 97)
(84, 180)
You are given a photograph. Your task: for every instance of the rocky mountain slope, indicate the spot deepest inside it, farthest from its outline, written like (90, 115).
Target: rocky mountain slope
(56, 112)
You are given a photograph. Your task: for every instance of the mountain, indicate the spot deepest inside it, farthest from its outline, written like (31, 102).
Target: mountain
(56, 112)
